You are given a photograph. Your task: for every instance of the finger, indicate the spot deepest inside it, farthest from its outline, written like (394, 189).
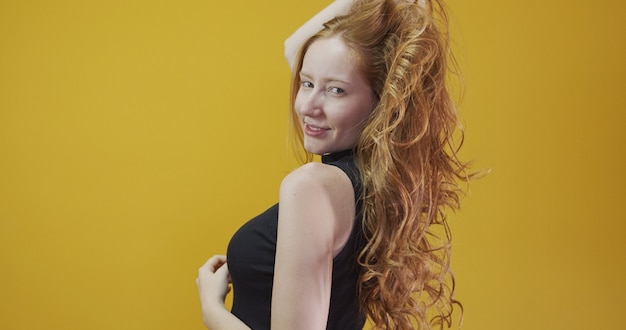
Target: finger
(214, 263)
(223, 270)
(217, 261)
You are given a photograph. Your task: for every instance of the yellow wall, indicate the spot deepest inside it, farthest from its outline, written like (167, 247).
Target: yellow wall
(136, 136)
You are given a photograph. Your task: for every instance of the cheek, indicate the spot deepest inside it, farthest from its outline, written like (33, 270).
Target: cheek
(360, 115)
(354, 121)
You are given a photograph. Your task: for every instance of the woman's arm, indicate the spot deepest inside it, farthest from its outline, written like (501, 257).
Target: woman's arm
(314, 222)
(312, 26)
(213, 286)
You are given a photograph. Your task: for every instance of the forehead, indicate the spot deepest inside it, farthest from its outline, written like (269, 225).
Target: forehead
(330, 57)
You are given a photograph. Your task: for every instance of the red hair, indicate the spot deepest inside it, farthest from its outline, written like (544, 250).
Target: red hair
(407, 157)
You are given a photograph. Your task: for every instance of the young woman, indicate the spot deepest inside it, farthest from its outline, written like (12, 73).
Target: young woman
(357, 235)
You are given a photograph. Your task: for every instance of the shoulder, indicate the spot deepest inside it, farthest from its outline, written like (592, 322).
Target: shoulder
(315, 215)
(317, 198)
(318, 177)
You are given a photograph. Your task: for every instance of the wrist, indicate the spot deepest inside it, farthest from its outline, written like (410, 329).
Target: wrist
(211, 312)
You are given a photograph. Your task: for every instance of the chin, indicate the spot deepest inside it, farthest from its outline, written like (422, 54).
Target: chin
(315, 149)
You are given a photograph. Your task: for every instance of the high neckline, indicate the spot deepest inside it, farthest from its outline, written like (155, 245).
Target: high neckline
(335, 156)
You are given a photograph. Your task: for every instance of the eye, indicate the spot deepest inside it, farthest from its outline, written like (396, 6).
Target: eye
(307, 84)
(336, 90)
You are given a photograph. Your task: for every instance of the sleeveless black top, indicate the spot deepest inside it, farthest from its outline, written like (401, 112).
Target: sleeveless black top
(251, 254)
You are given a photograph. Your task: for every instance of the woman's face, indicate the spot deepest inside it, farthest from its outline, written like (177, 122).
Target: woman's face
(334, 100)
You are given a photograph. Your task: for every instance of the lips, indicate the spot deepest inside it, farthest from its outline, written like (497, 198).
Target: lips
(312, 130)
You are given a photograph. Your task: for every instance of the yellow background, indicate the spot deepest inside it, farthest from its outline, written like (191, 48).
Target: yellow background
(137, 136)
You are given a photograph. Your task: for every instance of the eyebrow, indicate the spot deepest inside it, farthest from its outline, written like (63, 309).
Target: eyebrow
(331, 79)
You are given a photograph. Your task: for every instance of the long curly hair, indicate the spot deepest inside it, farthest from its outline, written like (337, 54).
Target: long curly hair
(407, 156)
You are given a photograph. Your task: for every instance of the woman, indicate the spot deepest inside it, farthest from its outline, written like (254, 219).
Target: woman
(356, 235)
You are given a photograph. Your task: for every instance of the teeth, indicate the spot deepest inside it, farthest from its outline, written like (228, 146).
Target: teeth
(314, 128)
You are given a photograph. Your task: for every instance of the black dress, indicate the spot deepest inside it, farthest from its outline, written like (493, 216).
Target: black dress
(251, 254)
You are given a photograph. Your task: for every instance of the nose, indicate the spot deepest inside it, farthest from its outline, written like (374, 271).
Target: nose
(311, 102)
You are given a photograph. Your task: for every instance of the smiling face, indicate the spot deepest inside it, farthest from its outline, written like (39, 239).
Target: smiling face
(334, 100)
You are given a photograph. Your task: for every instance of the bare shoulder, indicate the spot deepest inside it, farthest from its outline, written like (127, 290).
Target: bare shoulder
(315, 216)
(320, 177)
(319, 197)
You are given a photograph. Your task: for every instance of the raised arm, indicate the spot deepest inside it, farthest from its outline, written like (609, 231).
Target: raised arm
(312, 26)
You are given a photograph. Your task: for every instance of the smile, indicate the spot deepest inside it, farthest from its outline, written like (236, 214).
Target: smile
(314, 131)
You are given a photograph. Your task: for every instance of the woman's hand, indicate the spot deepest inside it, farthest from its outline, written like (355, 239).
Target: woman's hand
(213, 284)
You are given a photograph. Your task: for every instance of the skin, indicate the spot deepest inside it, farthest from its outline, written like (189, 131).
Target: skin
(316, 23)
(334, 99)
(213, 285)
(317, 205)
